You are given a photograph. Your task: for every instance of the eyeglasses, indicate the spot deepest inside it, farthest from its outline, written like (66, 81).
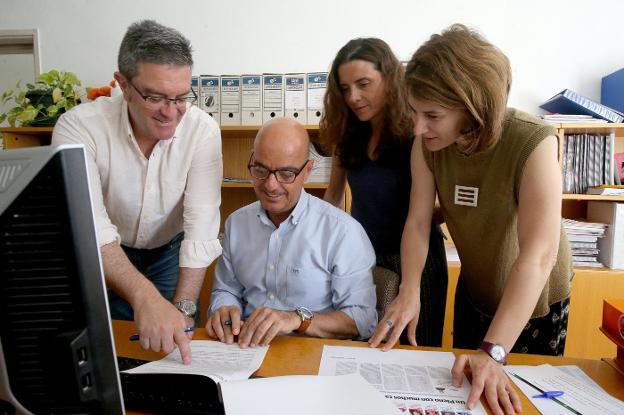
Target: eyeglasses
(285, 176)
(156, 101)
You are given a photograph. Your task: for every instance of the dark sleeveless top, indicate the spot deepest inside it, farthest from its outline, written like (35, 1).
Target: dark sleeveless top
(380, 199)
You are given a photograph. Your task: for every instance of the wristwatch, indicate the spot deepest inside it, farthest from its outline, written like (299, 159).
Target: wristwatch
(306, 317)
(496, 351)
(187, 307)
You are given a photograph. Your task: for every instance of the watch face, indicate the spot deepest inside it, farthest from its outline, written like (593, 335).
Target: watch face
(498, 353)
(188, 307)
(305, 313)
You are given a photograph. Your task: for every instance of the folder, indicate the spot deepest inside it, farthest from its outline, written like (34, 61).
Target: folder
(272, 96)
(295, 97)
(230, 100)
(317, 84)
(209, 93)
(612, 244)
(251, 99)
(569, 102)
(612, 90)
(195, 87)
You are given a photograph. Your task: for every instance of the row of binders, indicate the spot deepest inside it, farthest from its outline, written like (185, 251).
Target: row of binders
(256, 99)
(588, 161)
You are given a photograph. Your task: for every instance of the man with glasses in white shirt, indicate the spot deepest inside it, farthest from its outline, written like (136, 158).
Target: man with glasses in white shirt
(291, 263)
(155, 168)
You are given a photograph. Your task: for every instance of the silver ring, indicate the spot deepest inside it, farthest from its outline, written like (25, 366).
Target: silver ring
(390, 323)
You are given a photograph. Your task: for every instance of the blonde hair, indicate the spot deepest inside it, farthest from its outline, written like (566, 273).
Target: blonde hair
(459, 69)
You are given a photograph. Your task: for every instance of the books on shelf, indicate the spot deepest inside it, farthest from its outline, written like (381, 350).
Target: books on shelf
(569, 102)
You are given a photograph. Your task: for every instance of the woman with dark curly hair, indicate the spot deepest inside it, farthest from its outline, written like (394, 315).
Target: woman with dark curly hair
(368, 130)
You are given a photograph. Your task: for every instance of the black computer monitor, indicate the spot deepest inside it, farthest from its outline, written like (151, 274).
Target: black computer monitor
(57, 353)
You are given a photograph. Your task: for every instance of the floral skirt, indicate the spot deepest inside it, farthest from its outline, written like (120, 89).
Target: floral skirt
(541, 335)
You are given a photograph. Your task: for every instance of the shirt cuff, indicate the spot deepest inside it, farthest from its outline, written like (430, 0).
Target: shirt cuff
(108, 235)
(221, 299)
(199, 254)
(365, 319)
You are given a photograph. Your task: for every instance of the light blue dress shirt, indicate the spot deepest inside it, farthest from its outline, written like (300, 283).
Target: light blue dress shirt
(319, 258)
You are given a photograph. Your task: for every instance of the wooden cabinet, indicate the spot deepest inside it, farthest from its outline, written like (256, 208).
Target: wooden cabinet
(237, 143)
(26, 137)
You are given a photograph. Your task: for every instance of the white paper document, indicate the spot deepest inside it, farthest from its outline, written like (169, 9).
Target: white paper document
(219, 361)
(304, 395)
(417, 382)
(579, 397)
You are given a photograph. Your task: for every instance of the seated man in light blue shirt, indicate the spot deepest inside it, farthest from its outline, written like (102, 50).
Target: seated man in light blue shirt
(292, 263)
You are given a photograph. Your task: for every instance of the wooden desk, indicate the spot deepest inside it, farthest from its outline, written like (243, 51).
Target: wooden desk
(302, 356)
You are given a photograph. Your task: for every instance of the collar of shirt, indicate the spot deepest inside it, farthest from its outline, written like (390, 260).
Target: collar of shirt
(125, 122)
(295, 216)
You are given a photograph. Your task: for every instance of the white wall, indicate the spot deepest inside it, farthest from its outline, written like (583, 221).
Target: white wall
(552, 44)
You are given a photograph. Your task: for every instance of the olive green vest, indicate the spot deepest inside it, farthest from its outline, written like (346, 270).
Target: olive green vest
(478, 195)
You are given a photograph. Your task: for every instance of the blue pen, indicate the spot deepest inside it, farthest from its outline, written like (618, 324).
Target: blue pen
(135, 337)
(549, 394)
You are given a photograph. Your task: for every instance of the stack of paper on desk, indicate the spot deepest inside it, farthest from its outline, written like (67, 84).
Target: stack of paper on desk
(413, 380)
(304, 395)
(218, 361)
(579, 396)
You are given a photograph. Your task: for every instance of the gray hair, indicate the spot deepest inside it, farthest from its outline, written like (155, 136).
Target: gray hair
(149, 41)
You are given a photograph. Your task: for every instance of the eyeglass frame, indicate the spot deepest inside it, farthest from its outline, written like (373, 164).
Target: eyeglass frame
(161, 100)
(273, 172)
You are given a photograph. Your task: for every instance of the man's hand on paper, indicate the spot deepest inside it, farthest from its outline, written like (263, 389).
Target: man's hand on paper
(225, 323)
(402, 311)
(264, 324)
(161, 326)
(488, 378)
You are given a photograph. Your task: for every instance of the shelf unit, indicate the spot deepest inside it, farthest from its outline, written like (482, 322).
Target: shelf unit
(574, 206)
(589, 287)
(237, 143)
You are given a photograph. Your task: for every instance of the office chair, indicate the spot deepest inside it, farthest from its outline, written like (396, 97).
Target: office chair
(386, 286)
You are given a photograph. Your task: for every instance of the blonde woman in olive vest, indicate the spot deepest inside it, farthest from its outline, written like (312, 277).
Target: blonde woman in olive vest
(496, 175)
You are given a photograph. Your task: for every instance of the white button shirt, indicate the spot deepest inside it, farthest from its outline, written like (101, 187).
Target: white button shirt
(143, 203)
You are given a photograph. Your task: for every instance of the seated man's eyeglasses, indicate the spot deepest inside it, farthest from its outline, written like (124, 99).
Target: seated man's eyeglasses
(286, 175)
(156, 101)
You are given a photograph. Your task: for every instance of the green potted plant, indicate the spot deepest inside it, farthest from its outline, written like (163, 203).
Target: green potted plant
(40, 104)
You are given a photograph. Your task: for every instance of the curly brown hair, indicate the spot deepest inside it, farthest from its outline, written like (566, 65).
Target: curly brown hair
(341, 133)
(459, 69)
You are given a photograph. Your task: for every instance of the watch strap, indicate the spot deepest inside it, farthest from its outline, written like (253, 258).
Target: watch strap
(306, 317)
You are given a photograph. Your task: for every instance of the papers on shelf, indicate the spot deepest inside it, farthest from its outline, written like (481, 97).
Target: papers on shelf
(321, 169)
(304, 395)
(561, 118)
(583, 237)
(579, 396)
(218, 361)
(414, 380)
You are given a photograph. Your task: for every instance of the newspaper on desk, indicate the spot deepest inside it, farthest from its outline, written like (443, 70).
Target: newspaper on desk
(218, 361)
(417, 382)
